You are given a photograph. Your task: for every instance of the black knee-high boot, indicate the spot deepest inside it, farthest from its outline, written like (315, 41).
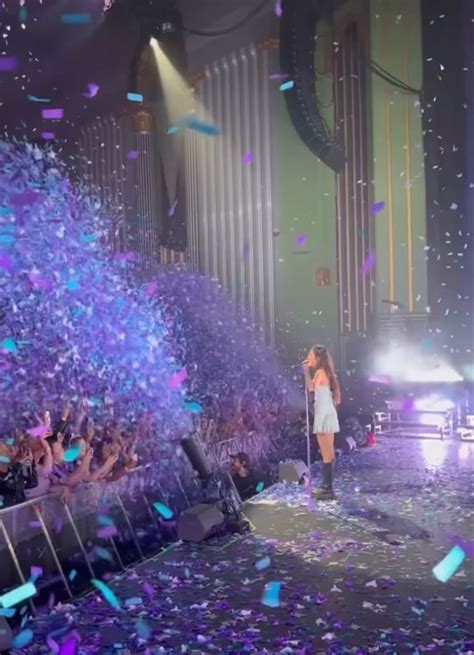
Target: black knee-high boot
(326, 491)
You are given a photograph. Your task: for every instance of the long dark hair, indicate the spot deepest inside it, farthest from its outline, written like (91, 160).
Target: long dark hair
(326, 363)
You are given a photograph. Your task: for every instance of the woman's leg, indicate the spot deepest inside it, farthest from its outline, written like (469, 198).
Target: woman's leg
(326, 445)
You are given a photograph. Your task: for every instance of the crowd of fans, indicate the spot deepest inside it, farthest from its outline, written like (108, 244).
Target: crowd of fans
(60, 456)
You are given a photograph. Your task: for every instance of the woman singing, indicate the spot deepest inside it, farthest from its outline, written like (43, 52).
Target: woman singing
(327, 396)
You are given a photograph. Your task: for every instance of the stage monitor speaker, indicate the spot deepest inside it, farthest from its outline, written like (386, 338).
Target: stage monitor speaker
(292, 470)
(199, 522)
(6, 637)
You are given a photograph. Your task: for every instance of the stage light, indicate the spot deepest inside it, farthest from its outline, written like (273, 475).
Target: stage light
(406, 363)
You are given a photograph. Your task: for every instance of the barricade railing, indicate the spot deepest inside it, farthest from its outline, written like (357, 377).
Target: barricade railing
(102, 528)
(60, 535)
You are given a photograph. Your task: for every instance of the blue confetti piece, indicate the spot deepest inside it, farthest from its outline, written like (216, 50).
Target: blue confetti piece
(73, 284)
(8, 612)
(23, 14)
(4, 459)
(102, 519)
(76, 19)
(260, 486)
(271, 594)
(165, 512)
(18, 595)
(10, 441)
(72, 574)
(7, 239)
(286, 86)
(135, 97)
(195, 124)
(103, 553)
(449, 564)
(143, 630)
(9, 345)
(193, 407)
(23, 638)
(107, 593)
(172, 129)
(134, 601)
(36, 99)
(72, 454)
(263, 564)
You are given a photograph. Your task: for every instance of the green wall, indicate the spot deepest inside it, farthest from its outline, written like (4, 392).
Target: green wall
(307, 314)
(399, 180)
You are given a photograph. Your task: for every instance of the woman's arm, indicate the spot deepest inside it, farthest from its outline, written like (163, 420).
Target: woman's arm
(307, 377)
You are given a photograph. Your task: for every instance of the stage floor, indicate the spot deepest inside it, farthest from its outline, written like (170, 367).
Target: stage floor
(356, 575)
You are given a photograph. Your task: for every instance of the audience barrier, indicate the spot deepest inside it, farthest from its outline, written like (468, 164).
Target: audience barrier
(104, 528)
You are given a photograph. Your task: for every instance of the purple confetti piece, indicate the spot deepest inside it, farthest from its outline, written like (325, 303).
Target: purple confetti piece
(52, 114)
(378, 207)
(279, 76)
(54, 646)
(278, 9)
(172, 209)
(301, 240)
(6, 262)
(107, 532)
(69, 647)
(132, 154)
(48, 136)
(248, 159)
(177, 379)
(368, 264)
(92, 90)
(148, 589)
(8, 63)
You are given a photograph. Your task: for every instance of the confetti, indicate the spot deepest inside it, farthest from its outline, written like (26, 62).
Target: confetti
(132, 154)
(36, 99)
(48, 136)
(76, 19)
(143, 630)
(103, 553)
(193, 407)
(163, 510)
(197, 125)
(92, 90)
(10, 345)
(286, 86)
(35, 573)
(22, 639)
(279, 76)
(69, 647)
(271, 594)
(72, 574)
(368, 264)
(4, 459)
(18, 595)
(8, 63)
(107, 593)
(172, 209)
(278, 9)
(72, 453)
(52, 114)
(378, 207)
(301, 240)
(248, 159)
(260, 487)
(448, 566)
(135, 97)
(178, 378)
(263, 564)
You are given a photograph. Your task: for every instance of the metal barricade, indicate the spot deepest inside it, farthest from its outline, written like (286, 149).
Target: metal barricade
(62, 536)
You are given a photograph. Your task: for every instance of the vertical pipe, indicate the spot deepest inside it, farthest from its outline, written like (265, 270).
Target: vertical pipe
(39, 516)
(16, 563)
(388, 138)
(408, 191)
(129, 525)
(78, 538)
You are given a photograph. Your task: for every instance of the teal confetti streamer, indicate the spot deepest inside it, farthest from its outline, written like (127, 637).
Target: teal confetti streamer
(143, 630)
(76, 19)
(260, 486)
(449, 564)
(10, 345)
(193, 407)
(72, 575)
(107, 593)
(135, 97)
(4, 459)
(36, 99)
(271, 594)
(165, 512)
(22, 639)
(72, 454)
(286, 86)
(18, 595)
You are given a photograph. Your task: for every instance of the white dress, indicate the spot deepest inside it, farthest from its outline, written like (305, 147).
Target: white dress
(325, 414)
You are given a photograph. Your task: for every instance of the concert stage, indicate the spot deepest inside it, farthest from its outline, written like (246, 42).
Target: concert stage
(356, 575)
